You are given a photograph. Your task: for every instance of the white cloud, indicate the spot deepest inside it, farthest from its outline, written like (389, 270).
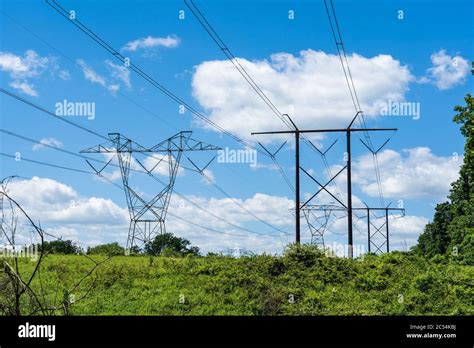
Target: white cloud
(274, 209)
(64, 75)
(447, 71)
(150, 41)
(310, 87)
(413, 173)
(407, 225)
(114, 175)
(90, 74)
(208, 177)
(93, 220)
(47, 141)
(119, 72)
(24, 87)
(30, 65)
(50, 201)
(117, 75)
(114, 88)
(21, 69)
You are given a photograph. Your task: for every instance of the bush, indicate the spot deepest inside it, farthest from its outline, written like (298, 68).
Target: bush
(60, 247)
(111, 249)
(303, 253)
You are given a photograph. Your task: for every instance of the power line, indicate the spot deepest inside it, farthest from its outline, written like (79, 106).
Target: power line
(21, 158)
(132, 101)
(101, 175)
(232, 58)
(120, 187)
(89, 158)
(350, 83)
(289, 123)
(138, 105)
(78, 66)
(147, 77)
(235, 62)
(220, 189)
(23, 100)
(139, 71)
(236, 202)
(86, 129)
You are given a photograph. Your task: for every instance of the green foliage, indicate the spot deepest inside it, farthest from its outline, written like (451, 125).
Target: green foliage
(60, 247)
(167, 244)
(435, 239)
(302, 282)
(452, 229)
(304, 254)
(111, 249)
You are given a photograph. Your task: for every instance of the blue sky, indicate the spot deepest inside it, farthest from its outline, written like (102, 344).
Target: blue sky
(421, 58)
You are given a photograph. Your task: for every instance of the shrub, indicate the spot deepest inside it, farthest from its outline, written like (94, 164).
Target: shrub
(111, 249)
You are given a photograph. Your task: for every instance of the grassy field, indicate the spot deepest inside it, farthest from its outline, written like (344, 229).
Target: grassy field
(299, 283)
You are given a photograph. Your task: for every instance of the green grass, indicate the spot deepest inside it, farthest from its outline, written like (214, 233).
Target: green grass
(391, 284)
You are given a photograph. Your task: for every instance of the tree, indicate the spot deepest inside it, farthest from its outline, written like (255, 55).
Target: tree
(111, 249)
(435, 239)
(60, 247)
(452, 229)
(169, 244)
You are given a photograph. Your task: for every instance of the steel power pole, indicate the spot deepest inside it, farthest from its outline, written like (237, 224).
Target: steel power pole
(297, 132)
(349, 194)
(297, 187)
(370, 242)
(387, 230)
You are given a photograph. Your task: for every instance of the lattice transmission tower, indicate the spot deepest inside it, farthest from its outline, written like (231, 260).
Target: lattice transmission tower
(317, 220)
(147, 216)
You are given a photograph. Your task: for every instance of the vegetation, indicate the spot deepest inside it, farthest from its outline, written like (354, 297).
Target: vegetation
(111, 249)
(60, 247)
(170, 278)
(169, 245)
(301, 282)
(452, 230)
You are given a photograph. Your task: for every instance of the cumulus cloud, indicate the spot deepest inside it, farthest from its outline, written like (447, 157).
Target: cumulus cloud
(309, 86)
(92, 220)
(274, 209)
(53, 202)
(95, 220)
(151, 42)
(412, 173)
(447, 71)
(30, 65)
(47, 141)
(25, 87)
(22, 69)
